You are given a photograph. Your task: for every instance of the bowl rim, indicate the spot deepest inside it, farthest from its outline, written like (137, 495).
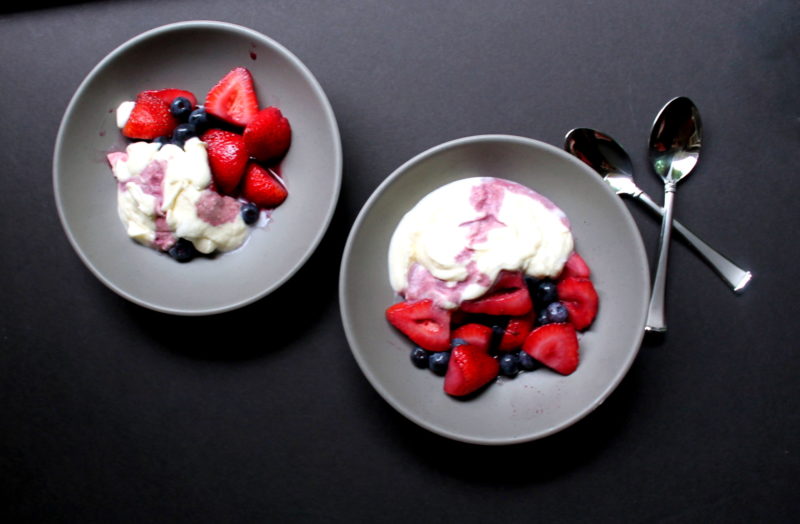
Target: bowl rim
(377, 384)
(133, 42)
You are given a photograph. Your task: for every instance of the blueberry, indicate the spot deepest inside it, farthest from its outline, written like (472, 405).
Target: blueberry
(250, 213)
(183, 250)
(182, 133)
(546, 292)
(532, 283)
(509, 364)
(419, 357)
(437, 362)
(199, 118)
(458, 342)
(499, 325)
(162, 140)
(526, 362)
(556, 312)
(180, 108)
(542, 317)
(498, 331)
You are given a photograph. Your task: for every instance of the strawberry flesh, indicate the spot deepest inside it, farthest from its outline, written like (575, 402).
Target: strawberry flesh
(555, 346)
(470, 368)
(473, 334)
(508, 296)
(580, 298)
(426, 324)
(233, 99)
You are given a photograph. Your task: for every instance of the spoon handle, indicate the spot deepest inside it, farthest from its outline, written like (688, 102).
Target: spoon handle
(736, 277)
(656, 320)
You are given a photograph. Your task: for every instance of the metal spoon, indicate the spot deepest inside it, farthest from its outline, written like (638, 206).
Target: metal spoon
(675, 141)
(603, 154)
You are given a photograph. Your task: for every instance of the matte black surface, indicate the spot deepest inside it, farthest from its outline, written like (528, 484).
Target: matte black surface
(112, 413)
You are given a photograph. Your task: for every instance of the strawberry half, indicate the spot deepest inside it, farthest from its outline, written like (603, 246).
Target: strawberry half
(575, 267)
(268, 135)
(262, 188)
(470, 368)
(227, 158)
(516, 332)
(508, 296)
(580, 298)
(426, 324)
(555, 346)
(474, 334)
(149, 119)
(233, 99)
(168, 95)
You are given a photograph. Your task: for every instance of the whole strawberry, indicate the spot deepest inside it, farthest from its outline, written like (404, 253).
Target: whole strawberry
(470, 369)
(268, 135)
(227, 158)
(262, 188)
(149, 119)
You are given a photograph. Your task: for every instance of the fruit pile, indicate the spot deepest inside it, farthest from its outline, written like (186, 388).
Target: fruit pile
(518, 325)
(244, 142)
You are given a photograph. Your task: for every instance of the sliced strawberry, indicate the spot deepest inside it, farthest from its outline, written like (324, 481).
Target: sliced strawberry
(149, 119)
(474, 334)
(268, 135)
(508, 296)
(555, 346)
(516, 332)
(470, 369)
(233, 99)
(580, 298)
(262, 188)
(426, 324)
(168, 95)
(575, 267)
(227, 158)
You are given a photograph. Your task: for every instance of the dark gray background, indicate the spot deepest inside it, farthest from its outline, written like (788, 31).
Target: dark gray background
(109, 412)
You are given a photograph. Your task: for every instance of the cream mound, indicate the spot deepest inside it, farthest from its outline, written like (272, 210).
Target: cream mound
(163, 194)
(452, 245)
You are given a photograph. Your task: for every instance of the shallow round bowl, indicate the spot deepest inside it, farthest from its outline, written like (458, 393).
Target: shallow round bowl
(534, 404)
(194, 56)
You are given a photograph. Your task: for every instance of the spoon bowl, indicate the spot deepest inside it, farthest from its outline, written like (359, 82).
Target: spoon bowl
(603, 154)
(675, 139)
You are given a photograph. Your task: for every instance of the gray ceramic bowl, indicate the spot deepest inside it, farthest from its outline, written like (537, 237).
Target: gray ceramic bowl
(194, 56)
(534, 404)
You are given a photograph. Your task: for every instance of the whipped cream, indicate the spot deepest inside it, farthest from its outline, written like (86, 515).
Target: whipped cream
(163, 194)
(452, 245)
(123, 112)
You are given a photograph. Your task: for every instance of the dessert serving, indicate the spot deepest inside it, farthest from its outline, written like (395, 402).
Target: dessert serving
(196, 177)
(490, 283)
(503, 410)
(282, 236)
